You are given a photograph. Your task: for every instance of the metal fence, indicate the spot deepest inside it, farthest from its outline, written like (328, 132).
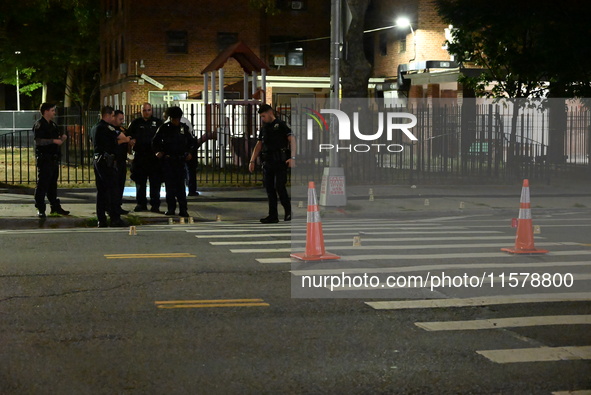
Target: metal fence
(454, 144)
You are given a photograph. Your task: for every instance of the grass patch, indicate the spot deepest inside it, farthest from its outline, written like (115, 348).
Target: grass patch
(579, 205)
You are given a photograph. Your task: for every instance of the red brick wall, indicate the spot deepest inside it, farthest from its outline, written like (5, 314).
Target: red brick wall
(143, 27)
(428, 27)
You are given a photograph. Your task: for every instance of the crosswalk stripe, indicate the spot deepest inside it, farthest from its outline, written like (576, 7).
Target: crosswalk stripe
(539, 354)
(365, 239)
(397, 257)
(425, 268)
(324, 227)
(510, 322)
(329, 234)
(576, 392)
(480, 301)
(391, 247)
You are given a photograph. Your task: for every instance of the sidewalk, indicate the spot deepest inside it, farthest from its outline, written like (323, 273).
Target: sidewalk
(17, 209)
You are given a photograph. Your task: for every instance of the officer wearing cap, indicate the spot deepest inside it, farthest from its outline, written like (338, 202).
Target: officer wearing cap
(173, 144)
(145, 166)
(48, 140)
(105, 139)
(277, 147)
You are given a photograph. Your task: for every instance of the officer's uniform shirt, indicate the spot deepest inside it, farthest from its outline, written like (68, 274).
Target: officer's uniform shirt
(274, 138)
(105, 138)
(121, 148)
(175, 141)
(46, 130)
(143, 132)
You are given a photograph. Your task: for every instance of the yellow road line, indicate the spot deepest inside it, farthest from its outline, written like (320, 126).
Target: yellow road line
(198, 306)
(209, 301)
(140, 256)
(195, 304)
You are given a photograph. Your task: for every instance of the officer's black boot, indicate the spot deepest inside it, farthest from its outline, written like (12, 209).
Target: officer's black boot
(183, 212)
(56, 208)
(41, 211)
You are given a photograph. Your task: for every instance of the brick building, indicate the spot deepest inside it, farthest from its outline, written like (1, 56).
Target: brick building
(413, 63)
(172, 42)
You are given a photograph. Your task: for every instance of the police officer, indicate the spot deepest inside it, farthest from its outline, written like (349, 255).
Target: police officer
(277, 146)
(173, 144)
(121, 156)
(145, 165)
(48, 140)
(105, 140)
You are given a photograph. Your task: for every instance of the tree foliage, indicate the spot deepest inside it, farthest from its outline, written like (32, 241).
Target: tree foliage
(530, 48)
(52, 36)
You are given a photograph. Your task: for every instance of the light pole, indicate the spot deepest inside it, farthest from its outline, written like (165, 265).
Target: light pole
(404, 22)
(18, 97)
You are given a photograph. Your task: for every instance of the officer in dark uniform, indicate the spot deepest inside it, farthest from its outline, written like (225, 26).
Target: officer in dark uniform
(105, 139)
(173, 144)
(48, 140)
(121, 156)
(277, 146)
(145, 165)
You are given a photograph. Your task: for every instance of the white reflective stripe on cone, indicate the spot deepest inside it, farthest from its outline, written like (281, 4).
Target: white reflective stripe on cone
(524, 213)
(313, 216)
(525, 195)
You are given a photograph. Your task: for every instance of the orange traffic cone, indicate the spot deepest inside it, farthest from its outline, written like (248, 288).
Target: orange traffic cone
(314, 237)
(524, 241)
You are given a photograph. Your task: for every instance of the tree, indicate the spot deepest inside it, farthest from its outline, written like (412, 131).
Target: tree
(355, 67)
(49, 39)
(526, 48)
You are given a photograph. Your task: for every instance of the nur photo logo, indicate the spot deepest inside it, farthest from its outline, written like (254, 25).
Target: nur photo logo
(391, 123)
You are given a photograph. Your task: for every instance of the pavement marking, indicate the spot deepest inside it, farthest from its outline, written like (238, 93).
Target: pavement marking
(196, 304)
(398, 257)
(480, 301)
(391, 247)
(327, 227)
(142, 256)
(579, 392)
(510, 322)
(540, 354)
(328, 234)
(365, 239)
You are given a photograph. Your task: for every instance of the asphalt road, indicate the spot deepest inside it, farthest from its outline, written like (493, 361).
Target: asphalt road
(218, 308)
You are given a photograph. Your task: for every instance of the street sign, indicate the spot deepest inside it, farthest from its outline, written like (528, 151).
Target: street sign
(152, 81)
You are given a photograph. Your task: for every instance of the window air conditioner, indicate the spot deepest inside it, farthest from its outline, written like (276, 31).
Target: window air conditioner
(279, 60)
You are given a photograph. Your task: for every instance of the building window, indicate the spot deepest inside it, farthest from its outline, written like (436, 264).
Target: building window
(226, 39)
(167, 98)
(287, 51)
(402, 45)
(177, 41)
(383, 44)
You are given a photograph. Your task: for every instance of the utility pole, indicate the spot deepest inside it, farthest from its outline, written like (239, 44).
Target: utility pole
(18, 88)
(332, 190)
(335, 75)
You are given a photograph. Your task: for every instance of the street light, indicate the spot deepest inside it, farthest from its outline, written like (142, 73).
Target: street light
(18, 97)
(404, 22)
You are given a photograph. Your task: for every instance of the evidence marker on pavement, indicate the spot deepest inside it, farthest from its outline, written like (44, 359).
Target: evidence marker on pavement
(199, 304)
